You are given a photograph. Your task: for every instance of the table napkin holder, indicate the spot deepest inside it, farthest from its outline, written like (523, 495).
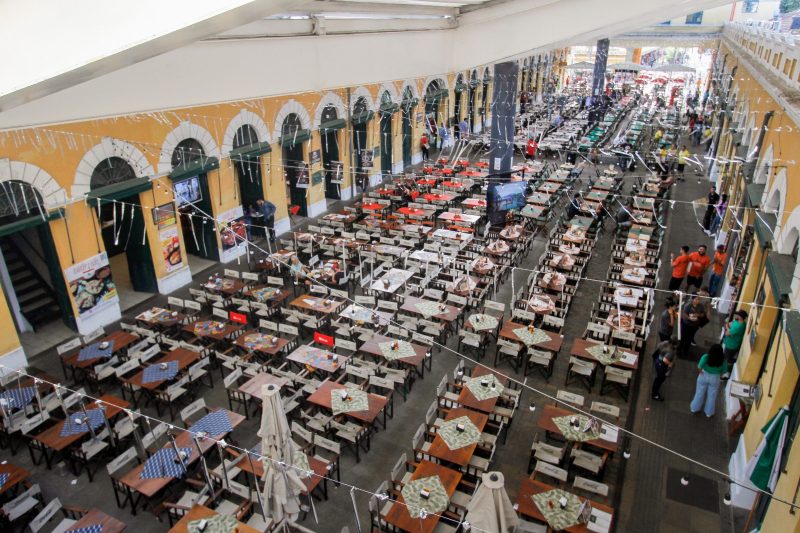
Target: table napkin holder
(424, 493)
(460, 427)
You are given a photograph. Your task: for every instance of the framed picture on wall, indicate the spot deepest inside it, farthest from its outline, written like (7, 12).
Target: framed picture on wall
(164, 216)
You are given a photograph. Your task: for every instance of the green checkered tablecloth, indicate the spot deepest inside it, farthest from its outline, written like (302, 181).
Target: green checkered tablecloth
(613, 355)
(428, 309)
(404, 349)
(557, 517)
(436, 502)
(576, 433)
(356, 401)
(456, 439)
(481, 322)
(220, 523)
(536, 336)
(481, 392)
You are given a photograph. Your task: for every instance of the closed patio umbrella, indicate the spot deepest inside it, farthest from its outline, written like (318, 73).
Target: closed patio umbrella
(764, 467)
(490, 509)
(282, 482)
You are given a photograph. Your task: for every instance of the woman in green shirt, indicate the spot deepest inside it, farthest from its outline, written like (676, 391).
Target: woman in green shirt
(711, 366)
(734, 335)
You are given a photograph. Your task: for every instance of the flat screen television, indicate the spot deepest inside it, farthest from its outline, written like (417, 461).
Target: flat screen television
(188, 191)
(510, 196)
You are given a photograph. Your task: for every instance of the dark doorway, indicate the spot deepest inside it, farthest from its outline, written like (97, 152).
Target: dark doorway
(386, 134)
(248, 169)
(122, 227)
(294, 166)
(360, 118)
(473, 87)
(331, 161)
(194, 201)
(434, 94)
(485, 99)
(407, 110)
(458, 93)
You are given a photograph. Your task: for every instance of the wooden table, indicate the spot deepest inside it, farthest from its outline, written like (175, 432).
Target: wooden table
(228, 330)
(306, 355)
(254, 385)
(272, 349)
(109, 524)
(467, 399)
(322, 398)
(579, 347)
(449, 314)
(183, 356)
(545, 422)
(122, 339)
(16, 475)
(227, 286)
(553, 345)
(399, 516)
(277, 298)
(527, 507)
(372, 346)
(167, 318)
(461, 456)
(469, 220)
(316, 304)
(198, 512)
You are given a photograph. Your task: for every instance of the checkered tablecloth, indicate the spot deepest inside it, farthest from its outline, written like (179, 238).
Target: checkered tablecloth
(95, 528)
(536, 336)
(436, 502)
(155, 373)
(556, 517)
(492, 389)
(4, 478)
(164, 463)
(428, 309)
(573, 433)
(74, 424)
(356, 401)
(18, 397)
(213, 424)
(221, 523)
(456, 439)
(482, 322)
(607, 358)
(94, 351)
(404, 349)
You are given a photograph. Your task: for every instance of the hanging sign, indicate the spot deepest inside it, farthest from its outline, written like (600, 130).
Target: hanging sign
(337, 172)
(91, 286)
(171, 249)
(164, 216)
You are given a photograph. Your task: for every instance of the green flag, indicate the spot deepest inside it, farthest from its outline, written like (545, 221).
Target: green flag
(764, 466)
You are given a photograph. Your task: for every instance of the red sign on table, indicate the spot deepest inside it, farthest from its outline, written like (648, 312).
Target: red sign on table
(240, 318)
(327, 340)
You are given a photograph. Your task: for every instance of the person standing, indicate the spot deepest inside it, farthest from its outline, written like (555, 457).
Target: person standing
(425, 146)
(693, 315)
(682, 155)
(463, 128)
(719, 214)
(711, 206)
(444, 136)
(717, 269)
(268, 209)
(680, 265)
(663, 358)
(530, 149)
(711, 367)
(575, 206)
(699, 262)
(666, 324)
(732, 340)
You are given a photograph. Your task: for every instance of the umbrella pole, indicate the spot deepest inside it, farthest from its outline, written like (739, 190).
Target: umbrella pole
(88, 422)
(258, 492)
(355, 509)
(222, 462)
(196, 441)
(177, 452)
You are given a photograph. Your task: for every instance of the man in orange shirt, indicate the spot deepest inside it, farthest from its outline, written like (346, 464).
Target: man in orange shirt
(717, 268)
(699, 262)
(679, 266)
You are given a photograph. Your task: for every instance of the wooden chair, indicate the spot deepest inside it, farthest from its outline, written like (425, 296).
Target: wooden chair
(554, 473)
(616, 378)
(116, 468)
(570, 397)
(583, 370)
(541, 361)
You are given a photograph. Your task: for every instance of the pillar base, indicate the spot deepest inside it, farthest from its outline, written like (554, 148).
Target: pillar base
(175, 280)
(13, 360)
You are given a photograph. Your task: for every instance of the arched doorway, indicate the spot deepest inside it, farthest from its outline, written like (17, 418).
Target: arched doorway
(32, 279)
(407, 109)
(122, 227)
(485, 98)
(295, 169)
(458, 93)
(473, 87)
(387, 110)
(192, 196)
(435, 95)
(331, 162)
(360, 116)
(248, 167)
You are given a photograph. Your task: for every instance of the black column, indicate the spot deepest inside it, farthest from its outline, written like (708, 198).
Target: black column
(504, 101)
(600, 63)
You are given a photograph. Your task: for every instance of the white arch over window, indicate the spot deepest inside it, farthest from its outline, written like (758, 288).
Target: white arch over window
(245, 117)
(292, 106)
(775, 200)
(328, 99)
(392, 88)
(53, 194)
(789, 236)
(362, 92)
(764, 167)
(414, 88)
(443, 82)
(186, 130)
(109, 147)
(748, 132)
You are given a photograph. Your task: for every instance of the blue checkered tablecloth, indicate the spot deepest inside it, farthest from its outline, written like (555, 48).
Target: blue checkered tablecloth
(163, 463)
(216, 423)
(94, 351)
(73, 427)
(3, 479)
(96, 528)
(155, 373)
(18, 397)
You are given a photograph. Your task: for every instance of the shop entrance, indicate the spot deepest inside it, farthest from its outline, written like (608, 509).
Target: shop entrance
(484, 99)
(387, 110)
(295, 168)
(248, 167)
(473, 87)
(330, 124)
(363, 154)
(434, 95)
(406, 126)
(458, 94)
(31, 274)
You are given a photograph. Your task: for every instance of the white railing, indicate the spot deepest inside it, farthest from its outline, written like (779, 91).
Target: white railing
(775, 51)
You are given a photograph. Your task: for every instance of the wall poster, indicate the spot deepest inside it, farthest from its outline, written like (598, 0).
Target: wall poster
(171, 249)
(91, 286)
(164, 216)
(233, 237)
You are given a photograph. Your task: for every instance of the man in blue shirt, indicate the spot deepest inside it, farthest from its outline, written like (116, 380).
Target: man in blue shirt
(268, 209)
(463, 128)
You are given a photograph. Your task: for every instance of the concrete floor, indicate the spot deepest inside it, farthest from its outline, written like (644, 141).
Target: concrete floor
(639, 483)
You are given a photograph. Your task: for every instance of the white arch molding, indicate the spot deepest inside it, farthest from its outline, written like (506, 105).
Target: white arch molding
(244, 117)
(186, 130)
(53, 194)
(443, 79)
(789, 234)
(764, 166)
(775, 200)
(292, 106)
(108, 147)
(328, 99)
(362, 91)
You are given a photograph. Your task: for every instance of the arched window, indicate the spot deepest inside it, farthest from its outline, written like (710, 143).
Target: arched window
(109, 171)
(360, 106)
(187, 152)
(408, 98)
(19, 199)
(245, 136)
(329, 113)
(386, 99)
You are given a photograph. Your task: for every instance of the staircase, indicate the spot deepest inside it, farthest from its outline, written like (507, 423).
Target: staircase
(35, 296)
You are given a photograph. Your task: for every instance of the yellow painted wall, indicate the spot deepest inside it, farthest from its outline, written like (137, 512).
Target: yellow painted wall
(9, 340)
(779, 517)
(763, 320)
